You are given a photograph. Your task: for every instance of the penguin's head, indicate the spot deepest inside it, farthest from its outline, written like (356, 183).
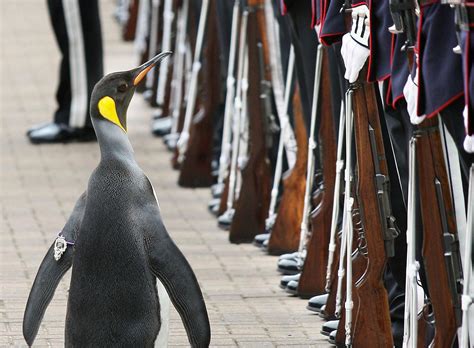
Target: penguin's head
(113, 93)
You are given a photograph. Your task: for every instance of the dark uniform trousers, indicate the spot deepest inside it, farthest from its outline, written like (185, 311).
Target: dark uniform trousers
(77, 29)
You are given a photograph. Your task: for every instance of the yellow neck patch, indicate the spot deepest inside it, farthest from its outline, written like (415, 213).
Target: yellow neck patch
(107, 110)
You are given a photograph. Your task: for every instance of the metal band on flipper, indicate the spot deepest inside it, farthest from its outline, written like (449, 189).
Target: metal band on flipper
(60, 246)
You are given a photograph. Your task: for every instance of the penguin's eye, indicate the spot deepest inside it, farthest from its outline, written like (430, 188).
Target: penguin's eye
(122, 87)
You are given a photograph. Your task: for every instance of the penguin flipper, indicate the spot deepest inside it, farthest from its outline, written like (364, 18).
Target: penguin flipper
(49, 274)
(169, 265)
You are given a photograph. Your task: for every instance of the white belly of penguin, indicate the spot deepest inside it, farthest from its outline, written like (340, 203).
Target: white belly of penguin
(165, 304)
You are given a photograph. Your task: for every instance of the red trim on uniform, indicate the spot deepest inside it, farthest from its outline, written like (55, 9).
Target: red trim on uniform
(429, 3)
(384, 77)
(360, 4)
(326, 43)
(313, 14)
(389, 87)
(397, 99)
(442, 107)
(284, 10)
(322, 19)
(388, 101)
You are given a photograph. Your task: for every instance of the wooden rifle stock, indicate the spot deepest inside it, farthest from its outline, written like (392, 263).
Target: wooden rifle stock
(285, 234)
(313, 276)
(252, 204)
(195, 170)
(433, 182)
(128, 31)
(371, 325)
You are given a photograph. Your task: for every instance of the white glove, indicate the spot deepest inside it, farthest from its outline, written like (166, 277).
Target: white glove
(317, 28)
(469, 140)
(410, 91)
(355, 45)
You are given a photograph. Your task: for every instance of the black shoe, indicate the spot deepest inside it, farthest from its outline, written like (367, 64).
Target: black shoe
(260, 238)
(315, 303)
(213, 202)
(322, 313)
(288, 256)
(59, 133)
(332, 337)
(225, 220)
(329, 327)
(217, 189)
(213, 206)
(171, 144)
(286, 279)
(288, 266)
(162, 126)
(36, 127)
(292, 287)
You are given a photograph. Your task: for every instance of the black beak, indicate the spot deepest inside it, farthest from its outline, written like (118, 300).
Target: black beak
(143, 69)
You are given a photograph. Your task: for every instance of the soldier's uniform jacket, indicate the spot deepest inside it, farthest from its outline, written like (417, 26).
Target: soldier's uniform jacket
(440, 71)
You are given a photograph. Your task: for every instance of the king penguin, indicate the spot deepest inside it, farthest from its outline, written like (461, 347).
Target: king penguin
(117, 245)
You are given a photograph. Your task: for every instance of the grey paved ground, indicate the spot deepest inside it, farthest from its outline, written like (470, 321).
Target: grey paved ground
(39, 185)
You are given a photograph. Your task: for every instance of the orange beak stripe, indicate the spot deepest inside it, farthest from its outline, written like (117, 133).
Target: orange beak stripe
(142, 74)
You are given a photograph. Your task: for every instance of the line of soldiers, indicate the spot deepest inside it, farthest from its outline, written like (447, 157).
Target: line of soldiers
(336, 134)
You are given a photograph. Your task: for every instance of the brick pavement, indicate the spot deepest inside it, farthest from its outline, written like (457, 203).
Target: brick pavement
(39, 185)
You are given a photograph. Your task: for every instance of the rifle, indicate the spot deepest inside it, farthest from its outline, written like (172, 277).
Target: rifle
(281, 93)
(229, 197)
(304, 232)
(330, 270)
(192, 91)
(190, 42)
(224, 159)
(153, 35)
(439, 233)
(439, 225)
(284, 126)
(370, 294)
(177, 83)
(281, 89)
(335, 242)
(313, 275)
(285, 233)
(195, 170)
(161, 93)
(252, 204)
(377, 219)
